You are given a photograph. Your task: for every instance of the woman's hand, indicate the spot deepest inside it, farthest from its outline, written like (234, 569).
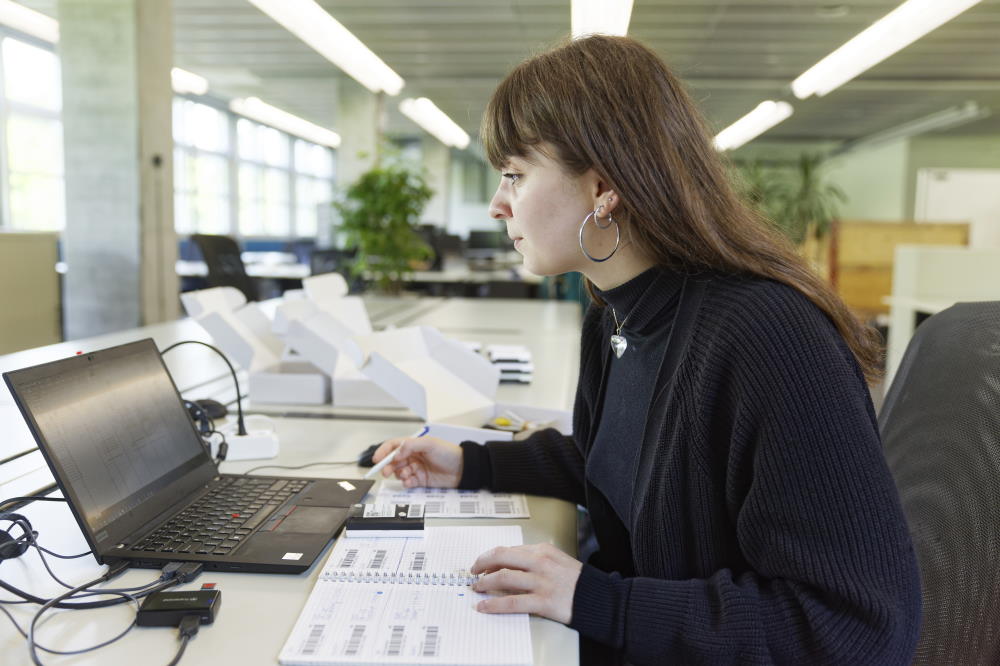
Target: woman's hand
(540, 579)
(428, 462)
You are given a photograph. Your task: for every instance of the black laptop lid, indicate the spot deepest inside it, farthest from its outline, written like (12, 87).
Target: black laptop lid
(116, 436)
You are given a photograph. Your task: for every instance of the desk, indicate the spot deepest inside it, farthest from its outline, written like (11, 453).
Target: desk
(259, 610)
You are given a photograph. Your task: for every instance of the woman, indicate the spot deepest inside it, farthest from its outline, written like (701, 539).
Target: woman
(724, 440)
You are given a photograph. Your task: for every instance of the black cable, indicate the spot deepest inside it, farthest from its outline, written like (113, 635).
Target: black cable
(28, 499)
(188, 629)
(328, 462)
(115, 570)
(31, 598)
(241, 428)
(205, 435)
(80, 650)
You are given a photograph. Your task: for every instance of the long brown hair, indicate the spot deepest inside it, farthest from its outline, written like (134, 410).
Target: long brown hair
(611, 104)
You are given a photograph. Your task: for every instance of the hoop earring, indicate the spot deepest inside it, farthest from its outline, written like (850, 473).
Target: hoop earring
(618, 234)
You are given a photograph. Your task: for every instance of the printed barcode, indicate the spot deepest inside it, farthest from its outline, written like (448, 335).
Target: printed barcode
(503, 506)
(377, 560)
(432, 508)
(468, 507)
(354, 642)
(349, 558)
(430, 648)
(395, 641)
(313, 639)
(419, 560)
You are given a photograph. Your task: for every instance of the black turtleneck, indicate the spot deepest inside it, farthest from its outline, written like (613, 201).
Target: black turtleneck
(645, 307)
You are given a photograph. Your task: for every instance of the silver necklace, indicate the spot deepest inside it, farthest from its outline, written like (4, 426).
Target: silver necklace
(618, 341)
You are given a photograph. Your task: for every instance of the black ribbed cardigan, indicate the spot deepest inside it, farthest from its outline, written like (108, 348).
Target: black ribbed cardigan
(765, 527)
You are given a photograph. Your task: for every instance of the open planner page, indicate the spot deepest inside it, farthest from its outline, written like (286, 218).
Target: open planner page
(407, 601)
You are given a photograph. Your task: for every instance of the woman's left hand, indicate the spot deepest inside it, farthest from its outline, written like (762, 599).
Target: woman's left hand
(539, 579)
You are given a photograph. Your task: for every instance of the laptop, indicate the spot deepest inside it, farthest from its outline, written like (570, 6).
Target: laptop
(143, 485)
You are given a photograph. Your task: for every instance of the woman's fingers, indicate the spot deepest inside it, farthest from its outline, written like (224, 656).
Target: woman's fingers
(507, 557)
(506, 580)
(513, 603)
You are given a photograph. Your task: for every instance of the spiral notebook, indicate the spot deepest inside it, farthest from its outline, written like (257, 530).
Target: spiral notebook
(408, 601)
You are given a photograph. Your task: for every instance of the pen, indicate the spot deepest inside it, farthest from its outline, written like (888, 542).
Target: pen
(385, 461)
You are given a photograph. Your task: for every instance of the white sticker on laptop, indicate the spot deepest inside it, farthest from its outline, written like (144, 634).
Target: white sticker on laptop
(346, 485)
(292, 556)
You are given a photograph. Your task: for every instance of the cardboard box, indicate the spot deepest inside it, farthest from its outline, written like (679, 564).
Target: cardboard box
(290, 382)
(441, 379)
(320, 338)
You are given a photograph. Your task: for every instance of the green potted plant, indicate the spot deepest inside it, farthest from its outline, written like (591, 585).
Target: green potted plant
(798, 200)
(812, 203)
(379, 215)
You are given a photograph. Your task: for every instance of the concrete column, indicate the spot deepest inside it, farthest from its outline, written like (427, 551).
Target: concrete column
(359, 124)
(436, 158)
(119, 243)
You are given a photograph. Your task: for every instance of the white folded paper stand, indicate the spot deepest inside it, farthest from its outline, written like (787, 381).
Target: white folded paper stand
(243, 332)
(441, 379)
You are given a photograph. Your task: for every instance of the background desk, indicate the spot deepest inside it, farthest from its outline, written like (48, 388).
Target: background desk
(258, 610)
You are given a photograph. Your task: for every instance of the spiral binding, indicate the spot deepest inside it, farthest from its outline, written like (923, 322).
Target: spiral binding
(413, 577)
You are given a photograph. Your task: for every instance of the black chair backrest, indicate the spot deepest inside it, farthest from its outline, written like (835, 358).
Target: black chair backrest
(940, 426)
(225, 265)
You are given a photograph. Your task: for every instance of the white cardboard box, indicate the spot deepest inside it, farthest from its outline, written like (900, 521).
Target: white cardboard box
(441, 379)
(244, 335)
(290, 382)
(320, 338)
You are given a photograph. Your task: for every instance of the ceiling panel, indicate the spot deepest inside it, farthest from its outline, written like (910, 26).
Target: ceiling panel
(732, 54)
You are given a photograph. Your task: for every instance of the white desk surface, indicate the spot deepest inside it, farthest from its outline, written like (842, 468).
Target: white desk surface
(258, 610)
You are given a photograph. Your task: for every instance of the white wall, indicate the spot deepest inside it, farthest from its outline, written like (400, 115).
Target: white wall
(874, 180)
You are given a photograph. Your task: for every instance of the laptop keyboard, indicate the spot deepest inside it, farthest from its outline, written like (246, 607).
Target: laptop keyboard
(220, 521)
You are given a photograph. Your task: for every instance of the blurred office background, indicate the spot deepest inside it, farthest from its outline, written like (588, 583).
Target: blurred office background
(129, 126)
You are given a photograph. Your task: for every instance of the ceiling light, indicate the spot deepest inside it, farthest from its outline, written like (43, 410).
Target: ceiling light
(188, 82)
(950, 117)
(606, 17)
(423, 112)
(29, 21)
(313, 25)
(253, 108)
(764, 117)
(899, 28)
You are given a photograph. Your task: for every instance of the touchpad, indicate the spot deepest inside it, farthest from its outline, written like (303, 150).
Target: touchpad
(313, 520)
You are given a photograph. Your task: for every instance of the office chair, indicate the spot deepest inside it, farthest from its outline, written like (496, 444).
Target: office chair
(940, 427)
(225, 265)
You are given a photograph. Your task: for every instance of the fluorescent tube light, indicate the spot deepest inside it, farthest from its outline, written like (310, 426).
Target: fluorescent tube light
(29, 21)
(313, 25)
(253, 108)
(764, 117)
(423, 112)
(606, 17)
(188, 82)
(950, 117)
(899, 28)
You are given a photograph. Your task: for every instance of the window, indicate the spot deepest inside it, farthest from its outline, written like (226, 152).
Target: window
(264, 180)
(201, 169)
(32, 144)
(313, 186)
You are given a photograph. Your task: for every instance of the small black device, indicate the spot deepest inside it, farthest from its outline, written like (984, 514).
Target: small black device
(385, 520)
(167, 609)
(365, 459)
(214, 408)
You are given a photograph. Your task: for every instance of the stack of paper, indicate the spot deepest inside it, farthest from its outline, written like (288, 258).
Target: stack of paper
(513, 361)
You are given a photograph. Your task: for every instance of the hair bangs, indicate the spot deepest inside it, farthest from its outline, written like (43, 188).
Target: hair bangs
(506, 131)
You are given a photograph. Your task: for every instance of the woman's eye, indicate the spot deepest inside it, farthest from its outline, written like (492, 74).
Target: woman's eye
(514, 177)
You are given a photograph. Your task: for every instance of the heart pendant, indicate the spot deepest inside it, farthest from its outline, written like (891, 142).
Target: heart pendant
(618, 343)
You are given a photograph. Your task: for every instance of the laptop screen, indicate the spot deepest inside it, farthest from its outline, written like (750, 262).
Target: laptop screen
(115, 434)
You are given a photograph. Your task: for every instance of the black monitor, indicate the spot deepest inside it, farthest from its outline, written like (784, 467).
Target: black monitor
(486, 244)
